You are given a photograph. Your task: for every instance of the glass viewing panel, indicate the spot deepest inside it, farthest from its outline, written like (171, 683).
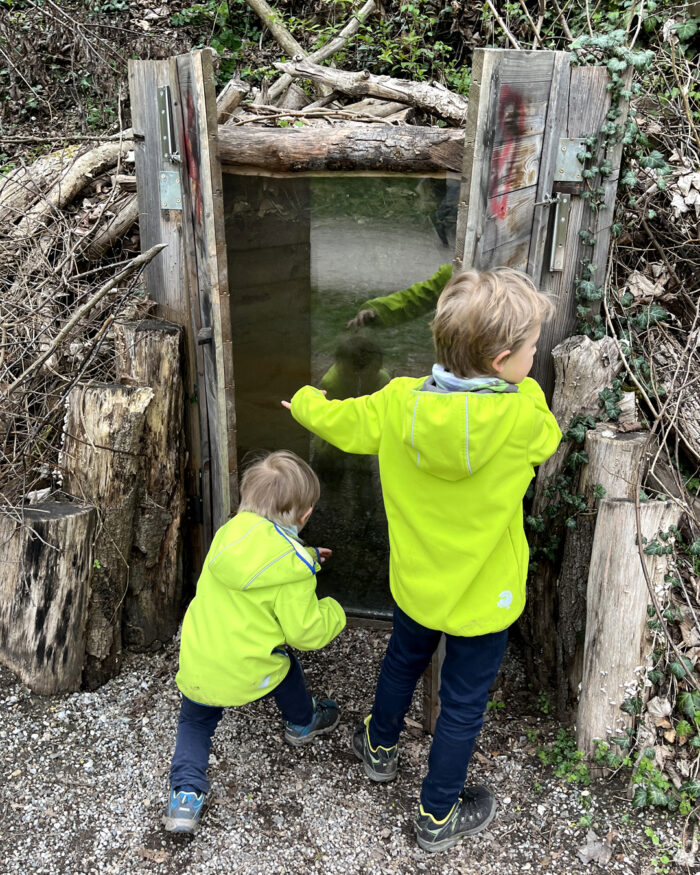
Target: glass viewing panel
(304, 255)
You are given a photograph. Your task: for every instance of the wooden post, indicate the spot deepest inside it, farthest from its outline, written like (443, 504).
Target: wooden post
(615, 462)
(615, 652)
(101, 461)
(45, 567)
(583, 369)
(148, 354)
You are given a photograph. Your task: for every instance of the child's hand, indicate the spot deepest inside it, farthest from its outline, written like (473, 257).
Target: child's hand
(288, 405)
(364, 317)
(323, 554)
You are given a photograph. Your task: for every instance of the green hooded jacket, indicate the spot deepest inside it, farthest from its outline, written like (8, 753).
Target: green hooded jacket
(454, 469)
(256, 592)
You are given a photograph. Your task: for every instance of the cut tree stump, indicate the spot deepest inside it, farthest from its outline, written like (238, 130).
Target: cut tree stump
(582, 368)
(148, 354)
(616, 462)
(101, 461)
(616, 649)
(45, 567)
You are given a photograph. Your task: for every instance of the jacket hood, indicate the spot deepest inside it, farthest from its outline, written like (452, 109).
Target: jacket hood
(472, 426)
(253, 552)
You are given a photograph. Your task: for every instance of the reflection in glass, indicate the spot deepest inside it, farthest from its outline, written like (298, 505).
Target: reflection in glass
(304, 254)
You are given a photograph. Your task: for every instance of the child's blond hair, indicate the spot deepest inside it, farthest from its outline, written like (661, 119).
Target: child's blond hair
(280, 487)
(482, 313)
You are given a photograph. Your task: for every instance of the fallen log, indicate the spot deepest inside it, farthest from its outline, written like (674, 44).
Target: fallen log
(45, 567)
(410, 149)
(616, 652)
(101, 463)
(71, 181)
(429, 98)
(148, 354)
(616, 460)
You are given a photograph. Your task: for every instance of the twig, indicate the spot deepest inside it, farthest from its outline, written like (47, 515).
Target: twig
(504, 27)
(136, 264)
(564, 23)
(535, 29)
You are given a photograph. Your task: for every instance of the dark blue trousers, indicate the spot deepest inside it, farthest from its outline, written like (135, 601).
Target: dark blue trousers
(197, 723)
(468, 671)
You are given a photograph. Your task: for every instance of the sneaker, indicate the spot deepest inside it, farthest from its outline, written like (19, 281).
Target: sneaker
(185, 812)
(326, 717)
(473, 811)
(381, 763)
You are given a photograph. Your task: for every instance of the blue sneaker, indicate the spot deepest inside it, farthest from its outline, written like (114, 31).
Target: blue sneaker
(185, 812)
(326, 717)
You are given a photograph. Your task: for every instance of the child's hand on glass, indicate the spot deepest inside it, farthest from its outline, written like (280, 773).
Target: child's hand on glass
(288, 405)
(324, 553)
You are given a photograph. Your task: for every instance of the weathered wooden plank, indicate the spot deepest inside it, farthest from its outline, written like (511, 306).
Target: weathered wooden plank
(514, 226)
(556, 115)
(204, 233)
(168, 283)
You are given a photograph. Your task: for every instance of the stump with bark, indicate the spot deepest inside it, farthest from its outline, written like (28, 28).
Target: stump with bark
(616, 649)
(101, 461)
(148, 353)
(45, 568)
(615, 464)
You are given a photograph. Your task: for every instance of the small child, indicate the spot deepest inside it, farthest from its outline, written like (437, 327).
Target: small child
(456, 451)
(256, 595)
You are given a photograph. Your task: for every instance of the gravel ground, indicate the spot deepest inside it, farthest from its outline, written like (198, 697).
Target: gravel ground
(85, 780)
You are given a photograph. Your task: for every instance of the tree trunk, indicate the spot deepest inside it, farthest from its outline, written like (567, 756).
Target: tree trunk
(101, 460)
(614, 460)
(148, 353)
(411, 149)
(616, 650)
(582, 369)
(45, 568)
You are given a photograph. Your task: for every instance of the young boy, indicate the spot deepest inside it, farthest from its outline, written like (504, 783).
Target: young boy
(256, 594)
(456, 453)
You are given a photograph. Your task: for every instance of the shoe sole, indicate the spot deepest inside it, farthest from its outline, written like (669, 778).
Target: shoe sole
(434, 847)
(377, 777)
(180, 826)
(297, 741)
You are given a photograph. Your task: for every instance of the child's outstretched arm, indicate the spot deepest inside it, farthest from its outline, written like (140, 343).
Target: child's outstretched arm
(353, 424)
(308, 623)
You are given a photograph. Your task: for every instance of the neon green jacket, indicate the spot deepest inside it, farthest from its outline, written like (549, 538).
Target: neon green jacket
(454, 469)
(256, 592)
(416, 300)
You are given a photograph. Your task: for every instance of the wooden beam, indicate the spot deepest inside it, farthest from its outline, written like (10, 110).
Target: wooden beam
(407, 149)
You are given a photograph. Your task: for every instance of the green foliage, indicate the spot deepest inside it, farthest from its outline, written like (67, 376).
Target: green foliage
(222, 32)
(568, 762)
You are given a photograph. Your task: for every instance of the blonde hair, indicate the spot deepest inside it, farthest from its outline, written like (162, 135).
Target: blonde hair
(280, 487)
(482, 313)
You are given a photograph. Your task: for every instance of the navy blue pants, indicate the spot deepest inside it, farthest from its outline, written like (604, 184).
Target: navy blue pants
(197, 723)
(468, 671)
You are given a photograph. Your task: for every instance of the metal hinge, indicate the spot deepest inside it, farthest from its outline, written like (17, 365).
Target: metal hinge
(562, 212)
(170, 189)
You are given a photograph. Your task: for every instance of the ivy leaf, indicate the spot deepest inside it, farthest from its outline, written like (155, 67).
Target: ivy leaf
(677, 669)
(639, 799)
(657, 796)
(629, 179)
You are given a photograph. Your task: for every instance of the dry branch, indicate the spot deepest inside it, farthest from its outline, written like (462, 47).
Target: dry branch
(71, 181)
(429, 98)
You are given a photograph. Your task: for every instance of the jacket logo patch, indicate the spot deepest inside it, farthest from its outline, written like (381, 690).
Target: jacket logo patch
(505, 599)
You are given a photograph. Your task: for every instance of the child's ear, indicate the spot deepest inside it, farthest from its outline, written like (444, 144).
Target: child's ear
(500, 360)
(305, 518)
